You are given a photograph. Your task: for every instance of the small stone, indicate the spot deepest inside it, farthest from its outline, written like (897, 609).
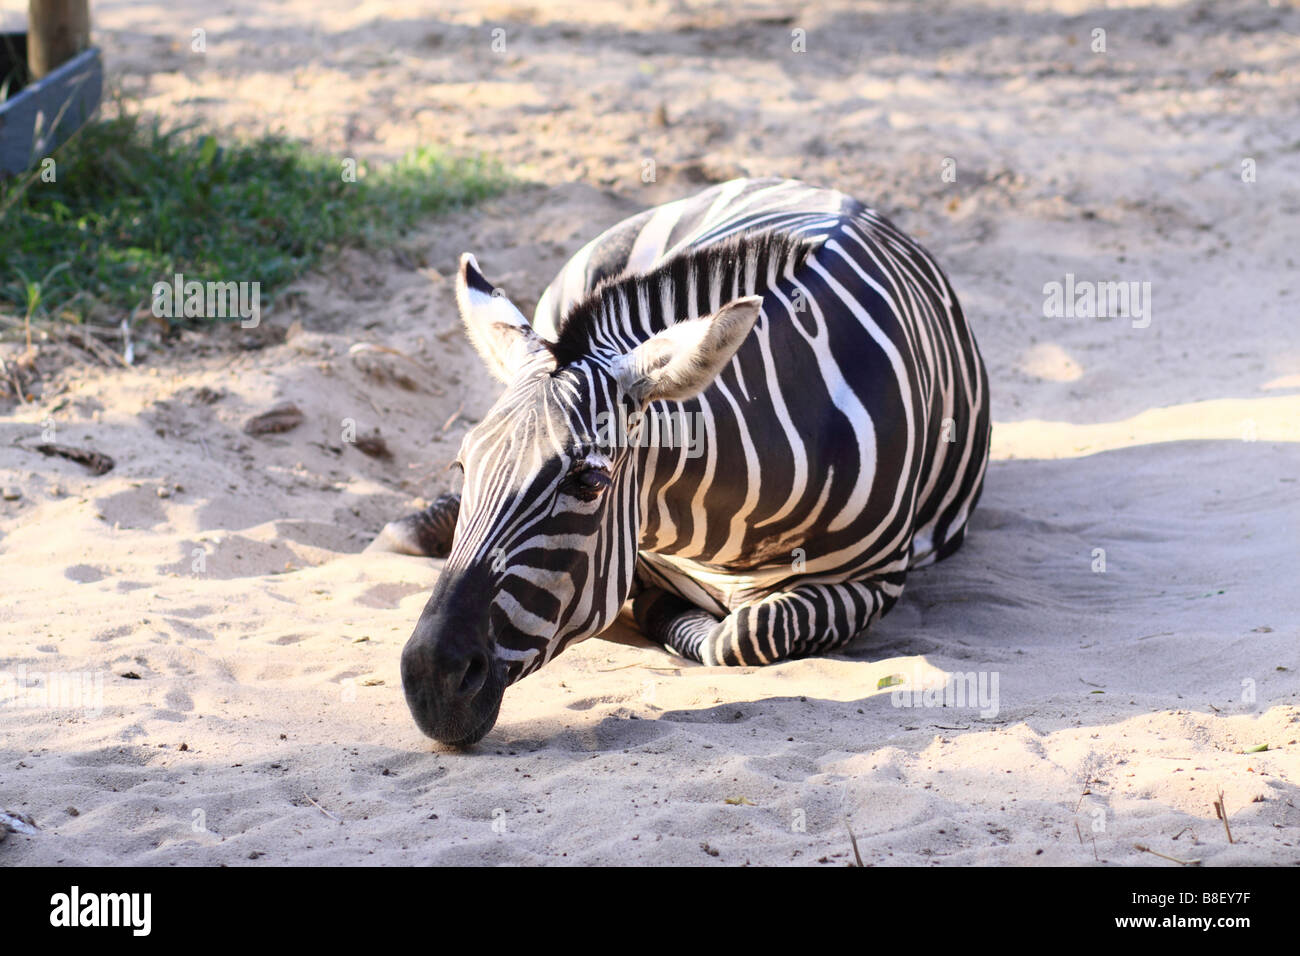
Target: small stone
(164, 491)
(281, 418)
(373, 445)
(11, 494)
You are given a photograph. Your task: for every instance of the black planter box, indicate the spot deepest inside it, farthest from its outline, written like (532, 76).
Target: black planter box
(37, 117)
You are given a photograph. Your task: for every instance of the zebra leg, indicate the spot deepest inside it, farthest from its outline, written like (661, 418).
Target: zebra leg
(426, 533)
(809, 619)
(670, 620)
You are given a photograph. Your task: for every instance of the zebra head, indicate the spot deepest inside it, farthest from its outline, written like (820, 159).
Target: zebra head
(549, 520)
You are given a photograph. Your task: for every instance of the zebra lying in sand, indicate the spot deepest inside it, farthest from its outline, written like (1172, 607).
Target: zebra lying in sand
(840, 421)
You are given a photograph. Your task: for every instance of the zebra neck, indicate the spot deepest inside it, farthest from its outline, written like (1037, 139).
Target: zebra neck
(620, 314)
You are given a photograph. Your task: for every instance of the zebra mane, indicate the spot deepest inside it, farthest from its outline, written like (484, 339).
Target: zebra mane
(748, 263)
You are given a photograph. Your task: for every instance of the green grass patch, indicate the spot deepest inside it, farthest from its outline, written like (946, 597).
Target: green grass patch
(132, 204)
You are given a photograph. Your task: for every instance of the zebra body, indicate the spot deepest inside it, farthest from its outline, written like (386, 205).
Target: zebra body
(841, 429)
(889, 480)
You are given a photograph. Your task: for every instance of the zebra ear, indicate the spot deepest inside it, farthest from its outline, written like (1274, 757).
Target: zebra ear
(497, 330)
(684, 359)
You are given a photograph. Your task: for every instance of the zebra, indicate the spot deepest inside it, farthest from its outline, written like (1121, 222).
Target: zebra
(842, 416)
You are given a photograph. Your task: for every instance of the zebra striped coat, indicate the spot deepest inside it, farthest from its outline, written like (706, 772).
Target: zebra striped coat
(847, 441)
(837, 413)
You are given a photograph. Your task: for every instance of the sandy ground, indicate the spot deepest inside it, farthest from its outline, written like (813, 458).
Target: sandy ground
(199, 667)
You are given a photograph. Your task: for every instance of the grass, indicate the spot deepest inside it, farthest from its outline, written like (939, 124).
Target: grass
(134, 203)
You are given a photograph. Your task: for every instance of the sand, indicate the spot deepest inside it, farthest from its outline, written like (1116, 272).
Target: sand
(198, 665)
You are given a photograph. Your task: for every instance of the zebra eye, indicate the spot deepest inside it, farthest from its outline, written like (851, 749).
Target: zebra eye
(587, 484)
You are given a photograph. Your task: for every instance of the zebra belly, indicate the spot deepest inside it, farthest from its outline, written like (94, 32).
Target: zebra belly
(715, 590)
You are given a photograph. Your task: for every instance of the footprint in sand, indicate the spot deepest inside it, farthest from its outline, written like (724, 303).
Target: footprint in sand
(84, 573)
(132, 508)
(389, 596)
(179, 700)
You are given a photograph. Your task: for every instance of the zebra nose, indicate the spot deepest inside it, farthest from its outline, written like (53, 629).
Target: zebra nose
(450, 675)
(450, 684)
(447, 675)
(462, 675)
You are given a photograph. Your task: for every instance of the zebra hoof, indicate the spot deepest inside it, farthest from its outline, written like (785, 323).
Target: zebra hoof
(397, 537)
(425, 534)
(655, 610)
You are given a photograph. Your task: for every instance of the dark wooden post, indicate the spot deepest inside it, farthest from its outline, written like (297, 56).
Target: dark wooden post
(57, 30)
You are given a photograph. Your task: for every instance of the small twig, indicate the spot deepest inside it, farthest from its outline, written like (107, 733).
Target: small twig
(1222, 812)
(13, 377)
(1077, 830)
(322, 809)
(854, 840)
(623, 667)
(1164, 856)
(454, 415)
(99, 350)
(128, 347)
(1181, 832)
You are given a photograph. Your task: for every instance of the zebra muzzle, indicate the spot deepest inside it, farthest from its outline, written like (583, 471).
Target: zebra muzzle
(452, 679)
